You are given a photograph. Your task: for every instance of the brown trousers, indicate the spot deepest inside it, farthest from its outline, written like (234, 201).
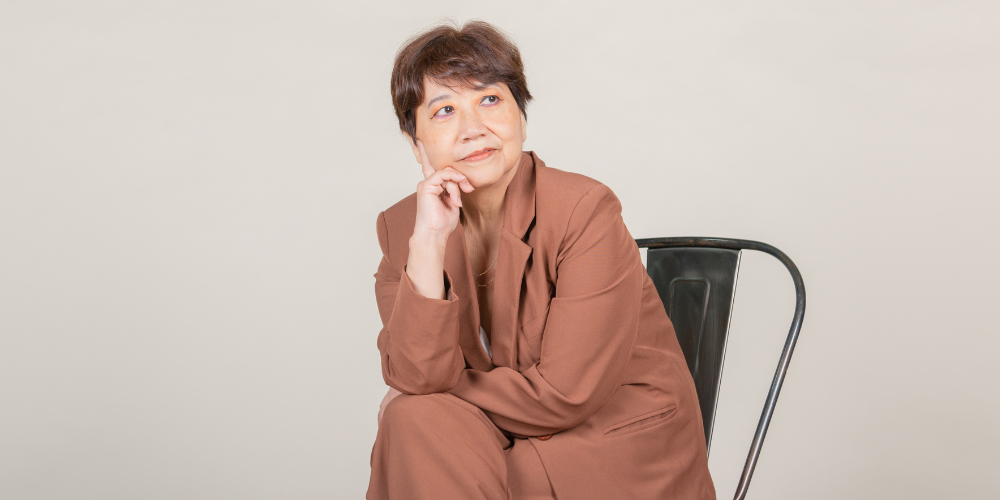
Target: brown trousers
(441, 447)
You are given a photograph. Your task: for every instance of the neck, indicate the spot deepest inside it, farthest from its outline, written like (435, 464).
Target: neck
(483, 209)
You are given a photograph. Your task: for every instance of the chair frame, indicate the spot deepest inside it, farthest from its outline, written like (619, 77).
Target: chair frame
(786, 352)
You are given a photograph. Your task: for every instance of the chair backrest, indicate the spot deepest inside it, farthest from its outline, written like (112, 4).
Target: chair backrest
(697, 286)
(696, 280)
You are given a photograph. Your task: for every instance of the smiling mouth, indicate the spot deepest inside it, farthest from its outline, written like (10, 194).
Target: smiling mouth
(479, 155)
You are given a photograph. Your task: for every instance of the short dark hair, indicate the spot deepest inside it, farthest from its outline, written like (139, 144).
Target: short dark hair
(477, 52)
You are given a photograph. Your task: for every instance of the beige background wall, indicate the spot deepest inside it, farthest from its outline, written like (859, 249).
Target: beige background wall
(188, 193)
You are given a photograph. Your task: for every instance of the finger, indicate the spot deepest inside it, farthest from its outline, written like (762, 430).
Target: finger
(446, 194)
(446, 174)
(456, 196)
(428, 187)
(425, 163)
(461, 180)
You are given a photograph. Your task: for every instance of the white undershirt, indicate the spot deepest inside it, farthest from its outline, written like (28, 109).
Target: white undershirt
(486, 342)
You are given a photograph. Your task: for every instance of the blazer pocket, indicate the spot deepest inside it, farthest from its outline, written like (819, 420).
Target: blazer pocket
(641, 422)
(535, 326)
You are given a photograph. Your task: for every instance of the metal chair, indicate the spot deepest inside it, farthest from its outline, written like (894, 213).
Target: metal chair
(696, 279)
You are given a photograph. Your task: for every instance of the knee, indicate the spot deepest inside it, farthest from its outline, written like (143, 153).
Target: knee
(408, 411)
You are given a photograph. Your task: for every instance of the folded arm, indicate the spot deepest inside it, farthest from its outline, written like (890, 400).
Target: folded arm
(419, 337)
(591, 327)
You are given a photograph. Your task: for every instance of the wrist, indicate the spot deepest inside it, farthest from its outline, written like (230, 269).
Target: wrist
(428, 242)
(425, 266)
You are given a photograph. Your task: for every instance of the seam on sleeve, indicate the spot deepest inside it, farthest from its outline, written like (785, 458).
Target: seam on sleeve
(578, 202)
(572, 214)
(569, 221)
(385, 229)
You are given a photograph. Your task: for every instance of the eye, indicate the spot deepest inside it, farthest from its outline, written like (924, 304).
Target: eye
(490, 100)
(445, 111)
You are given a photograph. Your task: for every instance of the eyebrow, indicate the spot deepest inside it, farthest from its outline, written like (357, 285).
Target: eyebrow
(446, 95)
(436, 99)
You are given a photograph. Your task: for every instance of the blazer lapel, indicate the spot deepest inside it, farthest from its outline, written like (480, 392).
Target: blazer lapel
(512, 256)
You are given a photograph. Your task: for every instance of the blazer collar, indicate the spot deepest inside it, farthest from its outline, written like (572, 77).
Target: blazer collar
(519, 200)
(512, 256)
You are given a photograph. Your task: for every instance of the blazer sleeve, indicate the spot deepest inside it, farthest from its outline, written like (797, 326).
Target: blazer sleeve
(589, 333)
(419, 337)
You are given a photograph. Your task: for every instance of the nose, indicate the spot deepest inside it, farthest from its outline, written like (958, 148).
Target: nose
(471, 127)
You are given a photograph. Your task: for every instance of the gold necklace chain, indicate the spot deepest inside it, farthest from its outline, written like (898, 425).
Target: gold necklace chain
(491, 267)
(488, 270)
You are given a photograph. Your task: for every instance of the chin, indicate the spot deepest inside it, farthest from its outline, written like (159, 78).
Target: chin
(481, 181)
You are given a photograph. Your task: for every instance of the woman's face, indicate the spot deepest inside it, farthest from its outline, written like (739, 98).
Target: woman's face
(475, 130)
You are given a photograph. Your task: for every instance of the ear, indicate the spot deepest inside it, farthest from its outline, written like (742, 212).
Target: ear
(524, 128)
(413, 147)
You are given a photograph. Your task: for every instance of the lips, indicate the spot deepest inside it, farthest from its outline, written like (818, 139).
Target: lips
(479, 155)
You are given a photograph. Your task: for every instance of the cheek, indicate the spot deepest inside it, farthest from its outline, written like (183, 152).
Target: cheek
(508, 126)
(436, 144)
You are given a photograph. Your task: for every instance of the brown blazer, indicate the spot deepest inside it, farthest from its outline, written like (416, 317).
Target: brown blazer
(582, 347)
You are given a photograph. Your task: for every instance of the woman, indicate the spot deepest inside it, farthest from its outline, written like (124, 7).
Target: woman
(527, 350)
